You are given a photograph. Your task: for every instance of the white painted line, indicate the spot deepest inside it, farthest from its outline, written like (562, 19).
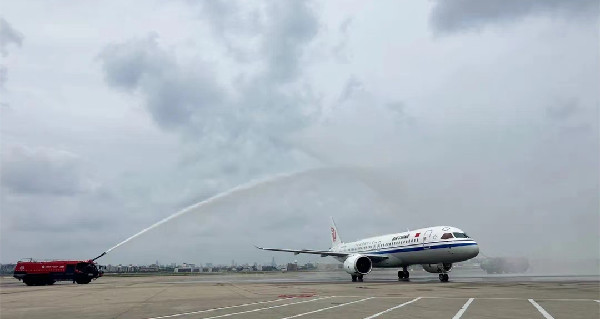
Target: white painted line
(598, 301)
(266, 308)
(323, 309)
(396, 307)
(462, 298)
(230, 307)
(463, 309)
(541, 310)
(565, 299)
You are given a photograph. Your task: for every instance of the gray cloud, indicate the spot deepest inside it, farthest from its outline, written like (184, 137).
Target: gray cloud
(563, 110)
(175, 95)
(126, 63)
(352, 86)
(231, 24)
(8, 36)
(339, 49)
(457, 15)
(282, 30)
(3, 75)
(226, 17)
(293, 24)
(43, 171)
(254, 120)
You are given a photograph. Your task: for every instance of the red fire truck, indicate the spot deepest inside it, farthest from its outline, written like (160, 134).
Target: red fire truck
(48, 272)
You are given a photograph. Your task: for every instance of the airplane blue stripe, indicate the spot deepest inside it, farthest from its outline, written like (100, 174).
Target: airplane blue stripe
(401, 250)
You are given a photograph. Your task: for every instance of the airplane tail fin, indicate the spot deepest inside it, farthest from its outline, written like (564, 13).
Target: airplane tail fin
(336, 240)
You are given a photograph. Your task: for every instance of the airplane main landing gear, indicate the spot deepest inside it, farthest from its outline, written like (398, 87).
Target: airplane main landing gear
(444, 277)
(358, 278)
(403, 274)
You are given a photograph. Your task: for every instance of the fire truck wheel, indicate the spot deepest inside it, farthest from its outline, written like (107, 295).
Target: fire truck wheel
(28, 281)
(83, 281)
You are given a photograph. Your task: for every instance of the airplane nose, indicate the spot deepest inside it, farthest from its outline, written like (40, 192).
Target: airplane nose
(474, 250)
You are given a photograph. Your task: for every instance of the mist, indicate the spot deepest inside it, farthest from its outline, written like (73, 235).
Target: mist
(403, 115)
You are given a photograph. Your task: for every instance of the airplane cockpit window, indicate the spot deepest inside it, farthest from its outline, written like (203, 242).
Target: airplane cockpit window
(460, 235)
(447, 236)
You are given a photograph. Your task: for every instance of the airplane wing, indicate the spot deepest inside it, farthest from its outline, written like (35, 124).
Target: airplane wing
(324, 253)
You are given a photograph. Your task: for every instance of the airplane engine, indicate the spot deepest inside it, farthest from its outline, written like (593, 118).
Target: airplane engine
(358, 265)
(437, 268)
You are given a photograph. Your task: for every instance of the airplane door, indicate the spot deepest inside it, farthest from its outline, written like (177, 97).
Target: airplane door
(426, 238)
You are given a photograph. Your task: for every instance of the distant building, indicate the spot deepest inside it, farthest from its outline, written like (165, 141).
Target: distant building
(183, 269)
(292, 267)
(269, 268)
(187, 268)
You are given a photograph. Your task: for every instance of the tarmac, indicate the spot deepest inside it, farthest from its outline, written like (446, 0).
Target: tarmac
(307, 295)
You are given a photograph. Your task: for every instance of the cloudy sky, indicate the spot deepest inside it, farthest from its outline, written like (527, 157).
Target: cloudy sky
(392, 115)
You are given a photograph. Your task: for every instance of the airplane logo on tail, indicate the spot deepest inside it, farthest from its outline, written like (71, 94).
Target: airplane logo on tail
(333, 234)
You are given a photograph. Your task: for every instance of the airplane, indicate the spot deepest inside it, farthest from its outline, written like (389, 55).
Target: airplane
(435, 248)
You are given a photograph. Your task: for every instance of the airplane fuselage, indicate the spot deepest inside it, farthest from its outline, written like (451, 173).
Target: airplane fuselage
(421, 246)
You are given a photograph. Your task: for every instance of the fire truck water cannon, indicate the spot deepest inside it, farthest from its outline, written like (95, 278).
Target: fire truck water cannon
(39, 273)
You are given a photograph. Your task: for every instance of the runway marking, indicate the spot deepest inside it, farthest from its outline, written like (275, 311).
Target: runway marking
(463, 309)
(541, 310)
(390, 309)
(598, 301)
(265, 308)
(323, 309)
(566, 299)
(237, 306)
(485, 298)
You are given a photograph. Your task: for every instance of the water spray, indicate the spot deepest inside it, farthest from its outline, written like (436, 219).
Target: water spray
(233, 191)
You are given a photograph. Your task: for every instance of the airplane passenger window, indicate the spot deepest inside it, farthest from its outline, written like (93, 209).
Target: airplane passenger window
(447, 236)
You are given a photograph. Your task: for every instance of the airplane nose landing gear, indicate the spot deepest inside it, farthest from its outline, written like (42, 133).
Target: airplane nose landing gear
(403, 274)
